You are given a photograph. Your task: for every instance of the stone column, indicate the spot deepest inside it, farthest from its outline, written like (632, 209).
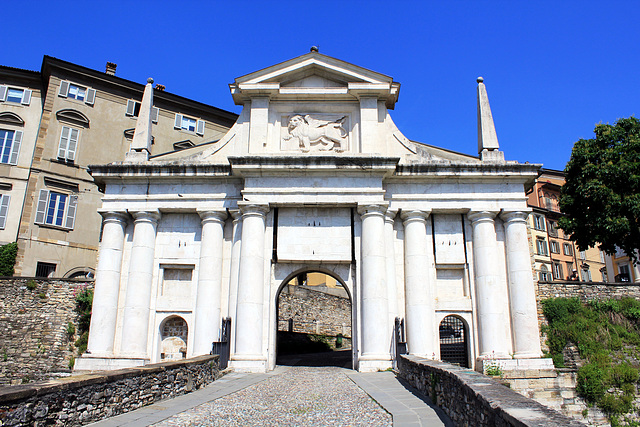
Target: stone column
(107, 286)
(374, 304)
(419, 296)
(522, 295)
(392, 290)
(234, 271)
(249, 334)
(207, 314)
(491, 298)
(135, 324)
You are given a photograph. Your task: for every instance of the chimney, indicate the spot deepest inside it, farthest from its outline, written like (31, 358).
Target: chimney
(160, 87)
(111, 68)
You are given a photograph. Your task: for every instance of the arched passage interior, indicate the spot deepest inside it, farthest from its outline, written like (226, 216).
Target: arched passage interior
(454, 342)
(314, 321)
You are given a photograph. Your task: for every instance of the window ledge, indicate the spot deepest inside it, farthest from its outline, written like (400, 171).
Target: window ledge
(55, 227)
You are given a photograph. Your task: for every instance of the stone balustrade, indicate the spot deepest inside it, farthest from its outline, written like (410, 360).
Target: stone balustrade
(472, 399)
(86, 398)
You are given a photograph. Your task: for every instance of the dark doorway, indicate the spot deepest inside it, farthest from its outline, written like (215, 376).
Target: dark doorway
(453, 341)
(314, 322)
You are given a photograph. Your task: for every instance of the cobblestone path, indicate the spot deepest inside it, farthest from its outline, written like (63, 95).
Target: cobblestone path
(301, 396)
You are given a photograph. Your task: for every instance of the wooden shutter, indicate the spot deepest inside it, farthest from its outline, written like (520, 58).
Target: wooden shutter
(155, 113)
(178, 122)
(200, 127)
(91, 96)
(41, 211)
(131, 107)
(64, 89)
(4, 209)
(3, 93)
(71, 212)
(15, 147)
(73, 144)
(26, 97)
(64, 142)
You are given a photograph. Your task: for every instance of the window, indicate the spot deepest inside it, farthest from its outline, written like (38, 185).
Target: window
(68, 143)
(15, 95)
(624, 273)
(45, 269)
(4, 209)
(586, 275)
(133, 110)
(557, 271)
(583, 255)
(568, 249)
(538, 222)
(542, 247)
(553, 230)
(58, 209)
(554, 246)
(190, 124)
(544, 274)
(10, 144)
(76, 92)
(80, 93)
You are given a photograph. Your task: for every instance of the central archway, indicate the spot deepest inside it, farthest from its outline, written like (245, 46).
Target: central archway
(314, 321)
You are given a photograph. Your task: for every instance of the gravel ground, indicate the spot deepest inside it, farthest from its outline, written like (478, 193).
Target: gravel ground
(301, 396)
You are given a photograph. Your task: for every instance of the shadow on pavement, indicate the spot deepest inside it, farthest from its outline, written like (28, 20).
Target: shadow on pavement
(341, 359)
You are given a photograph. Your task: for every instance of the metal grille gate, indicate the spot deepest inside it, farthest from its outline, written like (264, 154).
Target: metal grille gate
(453, 341)
(222, 347)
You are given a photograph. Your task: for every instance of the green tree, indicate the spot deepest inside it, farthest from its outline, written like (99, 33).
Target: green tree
(8, 258)
(601, 197)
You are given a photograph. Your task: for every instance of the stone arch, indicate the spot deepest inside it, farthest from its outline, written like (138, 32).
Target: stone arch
(73, 116)
(80, 273)
(311, 318)
(453, 333)
(173, 337)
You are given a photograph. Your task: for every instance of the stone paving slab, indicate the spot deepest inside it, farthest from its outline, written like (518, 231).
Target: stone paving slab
(407, 405)
(293, 396)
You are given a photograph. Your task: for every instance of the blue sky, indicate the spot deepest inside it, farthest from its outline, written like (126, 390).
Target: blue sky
(553, 69)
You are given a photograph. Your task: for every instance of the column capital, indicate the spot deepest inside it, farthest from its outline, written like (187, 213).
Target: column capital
(236, 215)
(209, 215)
(114, 216)
(390, 215)
(413, 215)
(372, 209)
(152, 215)
(515, 216)
(248, 208)
(477, 216)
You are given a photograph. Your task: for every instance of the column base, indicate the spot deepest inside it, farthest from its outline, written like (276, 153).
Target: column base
(88, 362)
(248, 363)
(374, 363)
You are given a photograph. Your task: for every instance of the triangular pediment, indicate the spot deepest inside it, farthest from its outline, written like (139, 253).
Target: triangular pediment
(315, 76)
(314, 63)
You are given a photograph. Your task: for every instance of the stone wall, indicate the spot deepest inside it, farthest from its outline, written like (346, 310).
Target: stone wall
(472, 399)
(82, 399)
(313, 312)
(35, 345)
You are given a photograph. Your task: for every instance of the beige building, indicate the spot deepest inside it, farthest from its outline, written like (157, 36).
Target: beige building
(85, 117)
(20, 109)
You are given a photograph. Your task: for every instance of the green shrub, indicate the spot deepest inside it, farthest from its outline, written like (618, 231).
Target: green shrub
(591, 382)
(8, 254)
(623, 374)
(31, 285)
(71, 330)
(615, 405)
(81, 343)
(84, 302)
